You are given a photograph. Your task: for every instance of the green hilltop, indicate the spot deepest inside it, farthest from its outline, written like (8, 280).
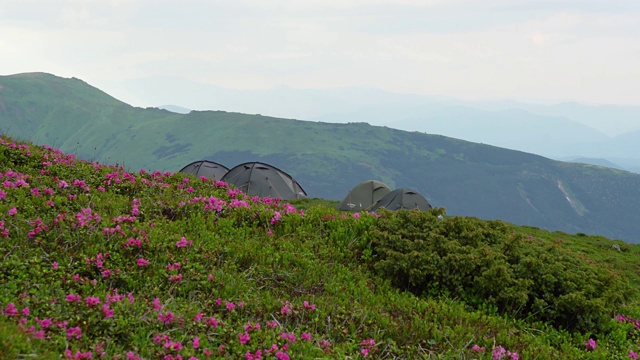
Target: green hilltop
(466, 178)
(100, 262)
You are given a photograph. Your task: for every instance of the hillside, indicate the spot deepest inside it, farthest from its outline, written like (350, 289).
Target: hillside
(327, 159)
(99, 262)
(559, 130)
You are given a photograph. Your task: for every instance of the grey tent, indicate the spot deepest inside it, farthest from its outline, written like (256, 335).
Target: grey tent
(400, 199)
(364, 195)
(255, 178)
(209, 169)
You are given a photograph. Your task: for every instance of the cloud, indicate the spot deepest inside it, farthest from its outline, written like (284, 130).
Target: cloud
(496, 48)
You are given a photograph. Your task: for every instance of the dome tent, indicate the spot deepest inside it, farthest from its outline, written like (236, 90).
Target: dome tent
(364, 195)
(255, 178)
(209, 169)
(399, 199)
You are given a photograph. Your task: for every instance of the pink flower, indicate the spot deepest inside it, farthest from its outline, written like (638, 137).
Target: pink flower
(212, 321)
(249, 326)
(356, 215)
(368, 342)
(132, 356)
(208, 352)
(73, 297)
(173, 345)
(174, 266)
(498, 353)
(108, 313)
(25, 311)
(142, 262)
(11, 310)
(13, 211)
(477, 348)
(307, 306)
(282, 355)
(167, 318)
(244, 338)
(198, 317)
(272, 324)
(286, 308)
(183, 242)
(230, 306)
(365, 352)
(175, 277)
(157, 306)
(45, 323)
(55, 265)
(633, 355)
(590, 344)
(289, 337)
(306, 336)
(196, 342)
(275, 218)
(92, 300)
(74, 332)
(257, 356)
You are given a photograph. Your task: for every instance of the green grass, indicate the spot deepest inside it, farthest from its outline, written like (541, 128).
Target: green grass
(304, 270)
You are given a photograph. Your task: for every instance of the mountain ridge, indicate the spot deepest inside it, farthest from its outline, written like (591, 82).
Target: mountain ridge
(414, 112)
(328, 159)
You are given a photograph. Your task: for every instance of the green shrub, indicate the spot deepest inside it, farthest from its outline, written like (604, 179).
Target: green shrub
(485, 264)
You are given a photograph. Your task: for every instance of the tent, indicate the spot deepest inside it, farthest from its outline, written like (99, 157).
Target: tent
(209, 169)
(400, 199)
(255, 178)
(364, 195)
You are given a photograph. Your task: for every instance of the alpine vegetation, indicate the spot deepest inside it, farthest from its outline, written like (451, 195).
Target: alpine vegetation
(99, 262)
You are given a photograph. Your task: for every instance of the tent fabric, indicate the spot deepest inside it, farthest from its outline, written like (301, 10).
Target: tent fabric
(255, 178)
(402, 199)
(364, 195)
(209, 169)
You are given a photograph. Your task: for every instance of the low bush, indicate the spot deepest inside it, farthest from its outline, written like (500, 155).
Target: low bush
(485, 264)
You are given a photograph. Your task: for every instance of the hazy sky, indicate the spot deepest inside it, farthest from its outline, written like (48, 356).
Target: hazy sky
(584, 50)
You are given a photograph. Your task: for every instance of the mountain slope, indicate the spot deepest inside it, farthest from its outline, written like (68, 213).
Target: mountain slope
(560, 130)
(327, 159)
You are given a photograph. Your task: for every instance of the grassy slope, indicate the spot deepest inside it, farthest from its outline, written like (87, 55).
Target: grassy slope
(239, 255)
(327, 159)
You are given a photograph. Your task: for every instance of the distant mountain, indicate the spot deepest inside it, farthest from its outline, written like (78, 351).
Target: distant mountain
(613, 120)
(175, 109)
(558, 131)
(328, 159)
(513, 129)
(592, 161)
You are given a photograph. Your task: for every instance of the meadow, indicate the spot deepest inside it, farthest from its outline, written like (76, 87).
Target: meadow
(99, 262)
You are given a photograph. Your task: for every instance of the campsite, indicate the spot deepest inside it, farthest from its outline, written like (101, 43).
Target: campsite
(264, 180)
